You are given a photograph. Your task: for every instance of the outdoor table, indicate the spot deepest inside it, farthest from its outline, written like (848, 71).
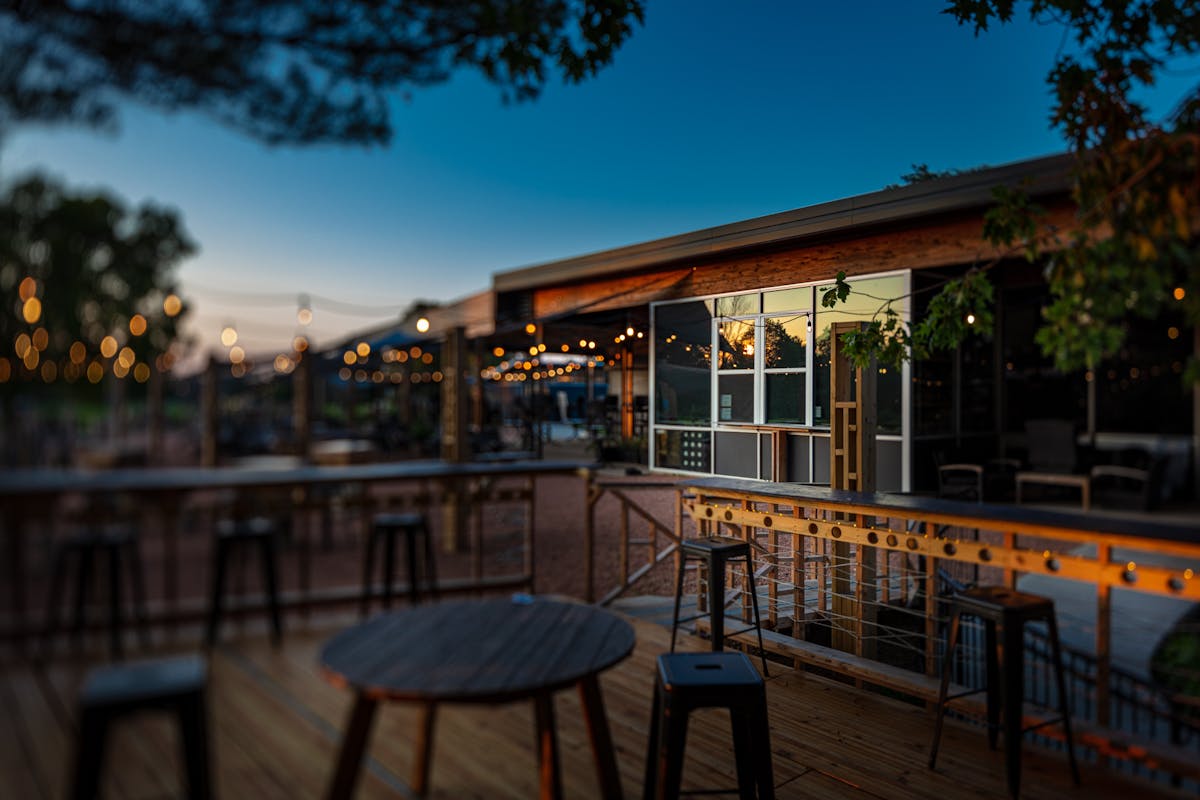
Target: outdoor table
(479, 651)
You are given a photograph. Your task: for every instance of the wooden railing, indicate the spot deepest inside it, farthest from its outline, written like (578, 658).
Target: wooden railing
(881, 599)
(640, 550)
(483, 516)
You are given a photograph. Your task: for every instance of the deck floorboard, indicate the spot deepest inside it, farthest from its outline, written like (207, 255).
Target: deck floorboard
(275, 727)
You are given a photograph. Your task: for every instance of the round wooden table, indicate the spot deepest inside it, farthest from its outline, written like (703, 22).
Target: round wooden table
(479, 651)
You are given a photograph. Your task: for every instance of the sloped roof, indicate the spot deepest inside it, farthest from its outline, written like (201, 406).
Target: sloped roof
(1042, 176)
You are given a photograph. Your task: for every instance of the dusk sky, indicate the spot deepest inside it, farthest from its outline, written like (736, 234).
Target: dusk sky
(712, 113)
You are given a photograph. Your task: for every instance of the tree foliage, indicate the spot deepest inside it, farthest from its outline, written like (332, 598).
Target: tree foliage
(91, 264)
(1136, 183)
(287, 71)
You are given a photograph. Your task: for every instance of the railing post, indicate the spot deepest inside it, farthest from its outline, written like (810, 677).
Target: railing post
(1103, 638)
(589, 537)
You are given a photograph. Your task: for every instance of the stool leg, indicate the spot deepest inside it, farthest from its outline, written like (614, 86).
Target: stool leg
(742, 753)
(220, 561)
(194, 725)
(674, 741)
(389, 565)
(82, 579)
(947, 668)
(760, 739)
(992, 672)
(270, 554)
(137, 583)
(410, 550)
(114, 601)
(1013, 637)
(678, 597)
(368, 573)
(757, 620)
(1064, 706)
(653, 746)
(54, 601)
(89, 756)
(430, 562)
(716, 602)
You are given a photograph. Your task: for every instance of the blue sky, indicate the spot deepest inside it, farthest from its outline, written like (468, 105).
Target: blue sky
(712, 113)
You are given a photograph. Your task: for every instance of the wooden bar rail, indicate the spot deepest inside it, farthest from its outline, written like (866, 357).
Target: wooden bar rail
(30, 501)
(801, 524)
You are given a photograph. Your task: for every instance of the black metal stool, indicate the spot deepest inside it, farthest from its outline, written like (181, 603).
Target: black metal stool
(415, 530)
(174, 685)
(115, 543)
(1010, 610)
(715, 552)
(687, 681)
(236, 537)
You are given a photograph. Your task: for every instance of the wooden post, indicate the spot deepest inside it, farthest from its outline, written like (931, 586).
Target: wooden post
(302, 380)
(627, 393)
(852, 467)
(208, 414)
(154, 418)
(1103, 638)
(455, 444)
(1196, 418)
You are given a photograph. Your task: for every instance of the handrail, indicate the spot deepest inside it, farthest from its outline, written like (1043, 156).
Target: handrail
(30, 511)
(887, 617)
(628, 576)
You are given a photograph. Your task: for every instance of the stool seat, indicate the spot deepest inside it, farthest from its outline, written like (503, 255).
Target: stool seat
(1000, 601)
(689, 681)
(715, 552)
(235, 535)
(114, 543)
(252, 528)
(414, 528)
(723, 545)
(142, 683)
(175, 685)
(1004, 613)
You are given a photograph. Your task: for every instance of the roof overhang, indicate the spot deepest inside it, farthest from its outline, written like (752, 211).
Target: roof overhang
(1041, 176)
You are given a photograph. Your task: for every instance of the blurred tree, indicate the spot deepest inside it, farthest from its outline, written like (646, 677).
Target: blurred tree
(77, 269)
(1133, 250)
(287, 71)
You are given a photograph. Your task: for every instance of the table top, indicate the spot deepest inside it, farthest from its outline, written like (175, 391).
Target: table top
(477, 651)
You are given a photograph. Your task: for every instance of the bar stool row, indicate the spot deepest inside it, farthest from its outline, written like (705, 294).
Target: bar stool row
(178, 686)
(115, 546)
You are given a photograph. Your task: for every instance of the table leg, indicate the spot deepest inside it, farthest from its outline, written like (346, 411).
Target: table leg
(354, 746)
(550, 776)
(601, 738)
(423, 749)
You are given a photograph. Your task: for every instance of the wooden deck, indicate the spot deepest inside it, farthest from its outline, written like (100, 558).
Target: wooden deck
(276, 723)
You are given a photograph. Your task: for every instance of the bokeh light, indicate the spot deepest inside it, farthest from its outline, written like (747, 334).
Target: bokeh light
(32, 310)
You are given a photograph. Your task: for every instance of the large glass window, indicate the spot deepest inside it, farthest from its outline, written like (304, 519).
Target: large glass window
(785, 366)
(682, 363)
(867, 297)
(756, 358)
